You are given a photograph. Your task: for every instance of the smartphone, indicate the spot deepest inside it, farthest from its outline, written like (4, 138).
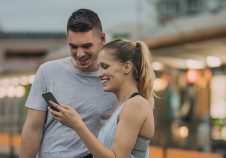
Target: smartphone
(49, 96)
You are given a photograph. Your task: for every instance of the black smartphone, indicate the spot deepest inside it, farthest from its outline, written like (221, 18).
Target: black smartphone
(49, 96)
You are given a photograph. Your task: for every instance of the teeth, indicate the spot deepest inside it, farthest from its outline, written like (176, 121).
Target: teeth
(82, 60)
(104, 80)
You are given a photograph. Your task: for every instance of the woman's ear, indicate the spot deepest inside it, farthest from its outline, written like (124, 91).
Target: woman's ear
(128, 67)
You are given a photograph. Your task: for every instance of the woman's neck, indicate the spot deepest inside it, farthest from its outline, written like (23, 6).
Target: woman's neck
(125, 92)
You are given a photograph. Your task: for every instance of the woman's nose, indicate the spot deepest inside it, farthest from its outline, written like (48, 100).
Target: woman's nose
(99, 72)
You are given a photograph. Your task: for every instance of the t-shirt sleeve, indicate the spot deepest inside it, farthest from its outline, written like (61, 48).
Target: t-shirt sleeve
(39, 86)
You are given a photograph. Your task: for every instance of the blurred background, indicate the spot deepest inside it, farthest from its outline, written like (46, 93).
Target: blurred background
(187, 39)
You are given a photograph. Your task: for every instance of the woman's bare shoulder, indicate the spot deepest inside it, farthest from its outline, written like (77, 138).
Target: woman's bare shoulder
(137, 105)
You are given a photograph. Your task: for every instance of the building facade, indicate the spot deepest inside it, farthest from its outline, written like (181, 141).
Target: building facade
(170, 9)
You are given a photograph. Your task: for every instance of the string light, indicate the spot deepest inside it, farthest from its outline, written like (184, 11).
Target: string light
(14, 87)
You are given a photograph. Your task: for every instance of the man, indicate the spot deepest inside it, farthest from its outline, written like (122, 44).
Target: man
(72, 80)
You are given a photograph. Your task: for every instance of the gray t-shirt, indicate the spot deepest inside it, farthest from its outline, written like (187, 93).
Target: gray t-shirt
(81, 90)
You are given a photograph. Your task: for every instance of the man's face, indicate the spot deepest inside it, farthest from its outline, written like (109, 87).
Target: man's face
(84, 47)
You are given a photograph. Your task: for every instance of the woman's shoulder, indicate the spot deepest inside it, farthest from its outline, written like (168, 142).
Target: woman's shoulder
(137, 105)
(138, 102)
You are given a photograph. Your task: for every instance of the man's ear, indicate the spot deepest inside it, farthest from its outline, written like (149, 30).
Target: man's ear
(128, 67)
(103, 38)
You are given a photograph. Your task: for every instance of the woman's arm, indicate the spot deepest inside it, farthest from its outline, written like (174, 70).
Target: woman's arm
(132, 119)
(70, 118)
(126, 132)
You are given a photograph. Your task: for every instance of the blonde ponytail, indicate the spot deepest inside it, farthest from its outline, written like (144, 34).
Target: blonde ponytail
(147, 76)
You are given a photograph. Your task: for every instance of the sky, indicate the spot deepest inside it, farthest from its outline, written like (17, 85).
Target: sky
(52, 15)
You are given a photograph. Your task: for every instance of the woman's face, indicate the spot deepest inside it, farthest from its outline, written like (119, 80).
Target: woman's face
(110, 71)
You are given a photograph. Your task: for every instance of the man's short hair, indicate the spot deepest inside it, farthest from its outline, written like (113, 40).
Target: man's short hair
(84, 20)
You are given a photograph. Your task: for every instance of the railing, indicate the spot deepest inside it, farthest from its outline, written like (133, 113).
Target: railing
(10, 144)
(160, 152)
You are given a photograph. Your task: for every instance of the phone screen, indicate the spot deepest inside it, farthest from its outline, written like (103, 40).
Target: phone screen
(49, 96)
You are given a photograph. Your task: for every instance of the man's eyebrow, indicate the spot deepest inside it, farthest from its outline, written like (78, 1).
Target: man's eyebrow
(71, 44)
(87, 44)
(83, 45)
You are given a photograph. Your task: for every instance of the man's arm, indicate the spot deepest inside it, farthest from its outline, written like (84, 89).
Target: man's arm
(32, 133)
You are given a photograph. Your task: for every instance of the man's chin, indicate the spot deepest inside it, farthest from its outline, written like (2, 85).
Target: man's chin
(83, 68)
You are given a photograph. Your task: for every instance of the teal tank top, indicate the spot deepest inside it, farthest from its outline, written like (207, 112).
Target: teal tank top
(106, 135)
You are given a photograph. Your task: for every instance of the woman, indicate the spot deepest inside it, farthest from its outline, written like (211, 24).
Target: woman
(124, 69)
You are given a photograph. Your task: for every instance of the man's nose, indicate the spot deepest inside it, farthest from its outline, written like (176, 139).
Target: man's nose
(80, 52)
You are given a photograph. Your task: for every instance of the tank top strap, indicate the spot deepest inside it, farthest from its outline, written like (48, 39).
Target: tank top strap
(135, 94)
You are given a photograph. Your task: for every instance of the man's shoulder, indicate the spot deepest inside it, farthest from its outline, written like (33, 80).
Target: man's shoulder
(55, 63)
